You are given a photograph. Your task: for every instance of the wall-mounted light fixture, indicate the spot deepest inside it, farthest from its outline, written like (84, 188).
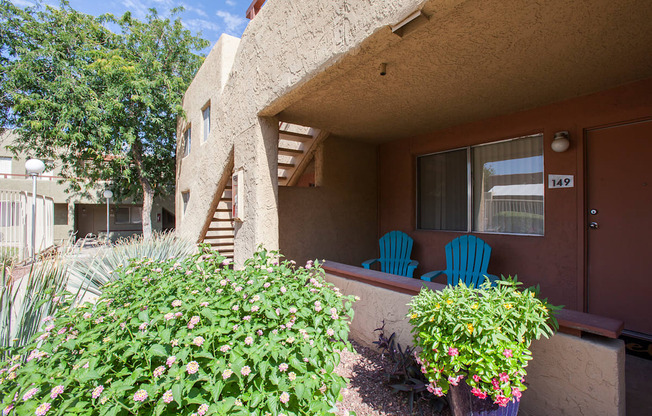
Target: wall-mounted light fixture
(409, 23)
(560, 143)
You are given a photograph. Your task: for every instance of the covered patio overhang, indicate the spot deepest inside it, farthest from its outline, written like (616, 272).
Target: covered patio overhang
(456, 74)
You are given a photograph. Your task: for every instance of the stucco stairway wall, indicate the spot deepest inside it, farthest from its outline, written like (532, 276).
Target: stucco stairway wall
(568, 375)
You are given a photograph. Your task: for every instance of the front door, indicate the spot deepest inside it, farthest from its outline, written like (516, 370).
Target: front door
(619, 181)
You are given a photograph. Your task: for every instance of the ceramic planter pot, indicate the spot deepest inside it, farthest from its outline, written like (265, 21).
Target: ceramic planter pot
(464, 403)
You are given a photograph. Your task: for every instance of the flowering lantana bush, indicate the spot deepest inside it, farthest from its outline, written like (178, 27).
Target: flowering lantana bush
(189, 337)
(481, 336)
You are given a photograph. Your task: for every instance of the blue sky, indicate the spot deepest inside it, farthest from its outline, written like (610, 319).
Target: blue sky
(210, 17)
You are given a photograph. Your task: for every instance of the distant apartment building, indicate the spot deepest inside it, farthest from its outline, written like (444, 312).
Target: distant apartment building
(79, 216)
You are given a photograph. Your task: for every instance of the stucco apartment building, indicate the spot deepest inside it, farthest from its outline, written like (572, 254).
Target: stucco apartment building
(75, 215)
(527, 124)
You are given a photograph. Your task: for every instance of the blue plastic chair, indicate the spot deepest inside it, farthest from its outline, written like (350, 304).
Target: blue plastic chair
(395, 251)
(467, 259)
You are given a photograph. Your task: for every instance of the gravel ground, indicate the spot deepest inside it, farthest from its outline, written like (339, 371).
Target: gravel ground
(368, 394)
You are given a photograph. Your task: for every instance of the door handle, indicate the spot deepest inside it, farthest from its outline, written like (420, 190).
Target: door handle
(594, 225)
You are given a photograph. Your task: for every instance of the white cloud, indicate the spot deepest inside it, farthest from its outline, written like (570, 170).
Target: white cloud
(233, 22)
(196, 10)
(231, 3)
(22, 3)
(203, 25)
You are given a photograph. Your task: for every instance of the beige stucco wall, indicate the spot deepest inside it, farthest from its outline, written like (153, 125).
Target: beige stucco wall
(268, 65)
(336, 220)
(568, 376)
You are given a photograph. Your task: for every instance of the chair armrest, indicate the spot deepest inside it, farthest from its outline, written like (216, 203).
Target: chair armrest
(492, 278)
(429, 277)
(410, 268)
(368, 263)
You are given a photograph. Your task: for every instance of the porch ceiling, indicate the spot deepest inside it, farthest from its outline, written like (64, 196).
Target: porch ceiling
(475, 59)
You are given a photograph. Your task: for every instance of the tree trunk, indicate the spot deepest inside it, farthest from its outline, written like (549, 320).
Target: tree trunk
(148, 192)
(148, 198)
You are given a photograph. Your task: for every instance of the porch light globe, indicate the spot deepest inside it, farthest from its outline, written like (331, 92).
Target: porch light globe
(34, 166)
(108, 194)
(560, 143)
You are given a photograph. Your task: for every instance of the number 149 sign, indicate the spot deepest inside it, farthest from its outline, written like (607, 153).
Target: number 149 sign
(560, 181)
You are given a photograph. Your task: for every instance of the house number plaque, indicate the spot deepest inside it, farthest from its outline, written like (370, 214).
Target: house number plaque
(560, 181)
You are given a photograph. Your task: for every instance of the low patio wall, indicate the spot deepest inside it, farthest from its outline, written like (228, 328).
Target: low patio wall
(569, 375)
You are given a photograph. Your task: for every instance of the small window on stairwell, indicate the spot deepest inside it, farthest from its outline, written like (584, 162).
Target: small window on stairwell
(206, 124)
(185, 198)
(187, 136)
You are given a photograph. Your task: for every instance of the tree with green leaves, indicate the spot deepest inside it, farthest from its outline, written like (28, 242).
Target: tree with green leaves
(104, 103)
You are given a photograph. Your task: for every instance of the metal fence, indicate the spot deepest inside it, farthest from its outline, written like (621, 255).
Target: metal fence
(16, 224)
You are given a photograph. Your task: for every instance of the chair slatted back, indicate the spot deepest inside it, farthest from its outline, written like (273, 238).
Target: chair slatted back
(467, 258)
(395, 251)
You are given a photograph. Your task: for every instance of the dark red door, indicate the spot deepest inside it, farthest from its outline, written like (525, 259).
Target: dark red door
(619, 161)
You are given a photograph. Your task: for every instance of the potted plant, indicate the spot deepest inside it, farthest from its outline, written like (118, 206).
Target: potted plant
(474, 343)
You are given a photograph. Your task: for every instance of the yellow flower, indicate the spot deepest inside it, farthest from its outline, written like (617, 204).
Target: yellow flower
(449, 301)
(470, 328)
(432, 319)
(414, 316)
(508, 306)
(437, 306)
(474, 306)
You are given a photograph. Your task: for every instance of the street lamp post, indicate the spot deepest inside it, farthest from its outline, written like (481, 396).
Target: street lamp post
(108, 195)
(34, 168)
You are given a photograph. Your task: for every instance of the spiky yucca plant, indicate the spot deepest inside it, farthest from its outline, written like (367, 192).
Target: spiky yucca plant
(90, 273)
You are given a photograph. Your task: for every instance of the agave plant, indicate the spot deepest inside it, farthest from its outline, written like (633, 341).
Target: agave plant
(89, 273)
(26, 301)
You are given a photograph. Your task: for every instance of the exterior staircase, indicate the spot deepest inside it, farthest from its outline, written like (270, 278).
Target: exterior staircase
(296, 150)
(220, 232)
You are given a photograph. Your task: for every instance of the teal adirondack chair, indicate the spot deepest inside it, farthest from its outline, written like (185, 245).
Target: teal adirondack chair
(395, 251)
(467, 259)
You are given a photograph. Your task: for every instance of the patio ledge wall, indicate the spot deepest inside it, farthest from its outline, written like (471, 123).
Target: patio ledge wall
(579, 371)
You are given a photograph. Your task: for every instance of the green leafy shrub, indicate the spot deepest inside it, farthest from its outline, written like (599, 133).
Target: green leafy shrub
(481, 335)
(191, 336)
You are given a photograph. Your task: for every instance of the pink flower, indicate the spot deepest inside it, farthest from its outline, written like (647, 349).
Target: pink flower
(238, 288)
(226, 374)
(501, 400)
(245, 370)
(49, 327)
(454, 381)
(225, 348)
(437, 391)
(171, 360)
(86, 365)
(192, 367)
(254, 308)
(158, 371)
(247, 318)
(285, 397)
(283, 289)
(97, 391)
(30, 393)
(259, 332)
(204, 304)
(476, 378)
(62, 331)
(202, 409)
(174, 342)
(283, 367)
(508, 353)
(266, 285)
(176, 303)
(198, 341)
(42, 409)
(330, 332)
(495, 384)
(178, 314)
(223, 282)
(453, 352)
(143, 326)
(168, 397)
(140, 396)
(235, 307)
(87, 315)
(169, 316)
(249, 341)
(504, 377)
(7, 410)
(516, 393)
(56, 391)
(479, 393)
